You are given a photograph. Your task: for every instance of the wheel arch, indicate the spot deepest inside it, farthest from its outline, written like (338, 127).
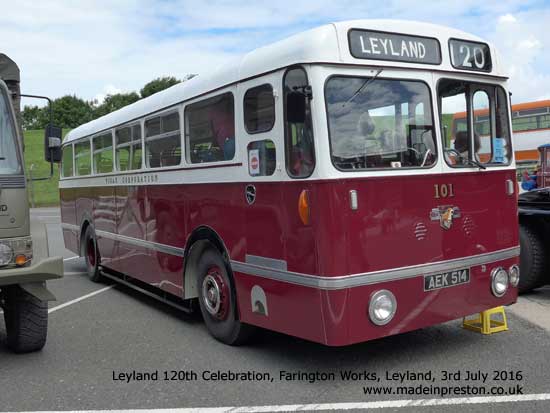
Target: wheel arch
(201, 238)
(85, 222)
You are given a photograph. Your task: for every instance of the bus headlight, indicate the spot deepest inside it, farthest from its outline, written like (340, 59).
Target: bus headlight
(499, 281)
(514, 275)
(15, 251)
(382, 307)
(6, 254)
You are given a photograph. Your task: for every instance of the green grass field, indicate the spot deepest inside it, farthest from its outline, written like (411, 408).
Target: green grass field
(46, 192)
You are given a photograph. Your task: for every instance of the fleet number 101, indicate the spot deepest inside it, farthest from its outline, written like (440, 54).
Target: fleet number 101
(444, 191)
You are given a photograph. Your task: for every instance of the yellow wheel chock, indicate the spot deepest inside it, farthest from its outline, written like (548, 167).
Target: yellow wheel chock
(484, 324)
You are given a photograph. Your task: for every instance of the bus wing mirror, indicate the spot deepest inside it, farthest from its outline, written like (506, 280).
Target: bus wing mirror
(296, 107)
(52, 144)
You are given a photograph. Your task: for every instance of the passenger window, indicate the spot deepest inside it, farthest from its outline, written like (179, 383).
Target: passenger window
(210, 129)
(259, 109)
(163, 140)
(82, 158)
(67, 161)
(128, 148)
(103, 153)
(299, 149)
(261, 158)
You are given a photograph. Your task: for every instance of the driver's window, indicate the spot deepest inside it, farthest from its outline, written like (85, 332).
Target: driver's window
(454, 124)
(299, 145)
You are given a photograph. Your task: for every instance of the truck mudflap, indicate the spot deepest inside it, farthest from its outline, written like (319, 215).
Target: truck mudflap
(32, 279)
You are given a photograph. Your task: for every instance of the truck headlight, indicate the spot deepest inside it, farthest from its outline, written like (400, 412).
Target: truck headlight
(382, 307)
(514, 275)
(6, 254)
(499, 281)
(15, 251)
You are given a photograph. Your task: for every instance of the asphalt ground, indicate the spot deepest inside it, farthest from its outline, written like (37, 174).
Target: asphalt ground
(94, 340)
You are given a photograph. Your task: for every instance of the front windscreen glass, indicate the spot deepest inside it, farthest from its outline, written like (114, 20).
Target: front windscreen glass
(474, 122)
(379, 123)
(9, 158)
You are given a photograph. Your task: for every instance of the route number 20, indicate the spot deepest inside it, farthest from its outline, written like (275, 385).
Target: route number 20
(444, 191)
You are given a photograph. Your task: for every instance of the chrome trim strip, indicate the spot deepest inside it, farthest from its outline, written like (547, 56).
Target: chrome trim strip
(70, 227)
(166, 249)
(374, 277)
(266, 262)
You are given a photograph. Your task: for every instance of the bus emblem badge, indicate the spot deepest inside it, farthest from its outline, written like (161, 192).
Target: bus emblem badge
(445, 216)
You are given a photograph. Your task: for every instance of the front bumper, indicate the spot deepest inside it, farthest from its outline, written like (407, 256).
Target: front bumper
(46, 269)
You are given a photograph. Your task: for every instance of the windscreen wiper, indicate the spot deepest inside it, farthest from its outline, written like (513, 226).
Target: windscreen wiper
(363, 86)
(466, 159)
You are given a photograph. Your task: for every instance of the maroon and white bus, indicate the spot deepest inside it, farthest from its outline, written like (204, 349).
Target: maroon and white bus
(310, 188)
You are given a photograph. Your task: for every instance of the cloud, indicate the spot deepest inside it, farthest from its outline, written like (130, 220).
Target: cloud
(65, 47)
(107, 90)
(507, 18)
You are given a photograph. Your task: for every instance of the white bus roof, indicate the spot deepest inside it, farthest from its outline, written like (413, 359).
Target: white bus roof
(325, 44)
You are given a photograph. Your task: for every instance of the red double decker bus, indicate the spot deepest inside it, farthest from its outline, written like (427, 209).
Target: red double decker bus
(310, 188)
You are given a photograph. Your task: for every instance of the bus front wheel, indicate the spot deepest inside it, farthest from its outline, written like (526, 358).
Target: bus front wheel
(91, 254)
(26, 320)
(218, 300)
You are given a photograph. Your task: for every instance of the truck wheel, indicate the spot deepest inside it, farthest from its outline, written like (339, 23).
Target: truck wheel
(26, 320)
(531, 260)
(218, 301)
(91, 254)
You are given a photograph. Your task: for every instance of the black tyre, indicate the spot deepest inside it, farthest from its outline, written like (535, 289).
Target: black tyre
(217, 300)
(91, 254)
(26, 320)
(532, 260)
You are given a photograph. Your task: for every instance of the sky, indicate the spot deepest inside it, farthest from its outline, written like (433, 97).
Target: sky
(91, 48)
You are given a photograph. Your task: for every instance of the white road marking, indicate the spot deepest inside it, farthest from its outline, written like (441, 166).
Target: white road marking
(76, 300)
(386, 404)
(70, 258)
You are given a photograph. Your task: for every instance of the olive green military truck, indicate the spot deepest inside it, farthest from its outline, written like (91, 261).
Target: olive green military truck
(23, 293)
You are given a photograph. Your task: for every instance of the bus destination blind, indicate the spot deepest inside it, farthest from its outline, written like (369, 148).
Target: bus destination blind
(367, 44)
(469, 55)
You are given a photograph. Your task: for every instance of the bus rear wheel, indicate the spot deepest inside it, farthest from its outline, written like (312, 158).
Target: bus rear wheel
(91, 255)
(26, 320)
(218, 300)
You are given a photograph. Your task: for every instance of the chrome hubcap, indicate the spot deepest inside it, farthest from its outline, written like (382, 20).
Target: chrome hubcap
(215, 294)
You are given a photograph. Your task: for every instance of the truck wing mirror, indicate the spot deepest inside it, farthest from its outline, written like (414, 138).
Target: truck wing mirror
(52, 144)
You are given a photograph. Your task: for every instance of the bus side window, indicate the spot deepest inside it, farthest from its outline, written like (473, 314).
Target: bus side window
(259, 109)
(261, 158)
(128, 148)
(163, 140)
(300, 154)
(67, 161)
(210, 129)
(82, 157)
(103, 153)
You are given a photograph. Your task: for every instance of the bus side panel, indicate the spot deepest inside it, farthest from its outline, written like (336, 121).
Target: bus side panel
(222, 208)
(166, 225)
(104, 218)
(299, 238)
(130, 258)
(291, 309)
(68, 216)
(83, 205)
